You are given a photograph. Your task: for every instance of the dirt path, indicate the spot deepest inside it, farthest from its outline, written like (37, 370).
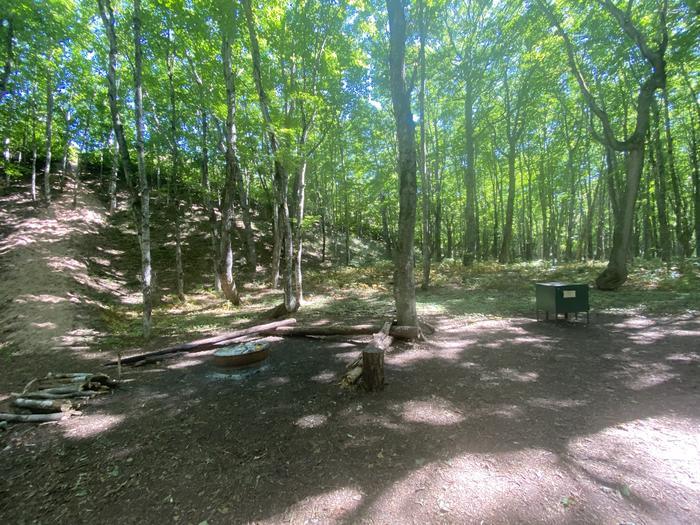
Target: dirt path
(492, 421)
(44, 310)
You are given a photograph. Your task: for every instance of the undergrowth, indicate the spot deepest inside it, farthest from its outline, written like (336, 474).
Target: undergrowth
(346, 295)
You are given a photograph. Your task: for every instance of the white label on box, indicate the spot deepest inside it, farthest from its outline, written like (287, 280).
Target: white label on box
(569, 294)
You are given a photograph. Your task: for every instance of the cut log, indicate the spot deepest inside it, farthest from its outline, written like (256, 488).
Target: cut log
(373, 369)
(203, 344)
(34, 418)
(44, 406)
(3, 425)
(351, 376)
(373, 355)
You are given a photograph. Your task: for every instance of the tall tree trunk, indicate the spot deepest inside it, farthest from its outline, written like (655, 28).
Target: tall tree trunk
(9, 57)
(615, 274)
(437, 230)
(695, 163)
(277, 235)
(471, 232)
(146, 290)
(175, 175)
(683, 233)
(300, 184)
(504, 255)
(49, 129)
(66, 145)
(422, 161)
(209, 205)
(401, 100)
(34, 150)
(114, 176)
(656, 160)
(228, 283)
(449, 248)
(386, 236)
(281, 175)
(244, 195)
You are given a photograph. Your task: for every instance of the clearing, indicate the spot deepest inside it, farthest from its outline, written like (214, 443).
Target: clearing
(496, 418)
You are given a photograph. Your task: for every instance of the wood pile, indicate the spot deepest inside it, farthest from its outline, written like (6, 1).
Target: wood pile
(56, 396)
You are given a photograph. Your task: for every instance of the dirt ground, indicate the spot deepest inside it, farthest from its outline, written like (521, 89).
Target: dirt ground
(490, 421)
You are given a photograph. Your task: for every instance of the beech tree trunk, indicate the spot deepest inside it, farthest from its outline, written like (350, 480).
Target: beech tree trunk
(34, 146)
(425, 183)
(615, 274)
(695, 163)
(139, 202)
(9, 57)
(471, 234)
(49, 129)
(145, 236)
(243, 195)
(225, 270)
(175, 174)
(281, 177)
(405, 289)
(683, 232)
(114, 175)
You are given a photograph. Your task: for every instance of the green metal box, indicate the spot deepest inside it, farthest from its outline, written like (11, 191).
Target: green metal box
(561, 298)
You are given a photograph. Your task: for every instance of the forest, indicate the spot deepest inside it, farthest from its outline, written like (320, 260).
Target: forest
(325, 177)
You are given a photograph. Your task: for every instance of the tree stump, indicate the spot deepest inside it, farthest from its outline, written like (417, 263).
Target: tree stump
(373, 368)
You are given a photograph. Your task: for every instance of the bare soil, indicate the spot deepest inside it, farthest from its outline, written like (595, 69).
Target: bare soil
(490, 421)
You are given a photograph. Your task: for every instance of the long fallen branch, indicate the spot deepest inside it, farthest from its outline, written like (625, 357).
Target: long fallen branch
(203, 344)
(34, 418)
(400, 332)
(43, 405)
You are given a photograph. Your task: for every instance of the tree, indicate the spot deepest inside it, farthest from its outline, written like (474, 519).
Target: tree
(634, 144)
(405, 132)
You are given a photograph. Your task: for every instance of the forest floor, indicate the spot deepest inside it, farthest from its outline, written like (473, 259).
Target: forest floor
(496, 418)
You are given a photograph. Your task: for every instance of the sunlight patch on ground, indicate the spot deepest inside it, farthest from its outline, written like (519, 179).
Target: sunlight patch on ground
(332, 506)
(639, 376)
(311, 421)
(508, 412)
(87, 426)
(556, 404)
(690, 357)
(41, 298)
(657, 458)
(437, 412)
(327, 376)
(48, 325)
(479, 488)
(509, 374)
(648, 375)
(184, 363)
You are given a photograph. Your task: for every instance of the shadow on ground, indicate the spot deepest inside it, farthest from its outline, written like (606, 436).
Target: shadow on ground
(496, 421)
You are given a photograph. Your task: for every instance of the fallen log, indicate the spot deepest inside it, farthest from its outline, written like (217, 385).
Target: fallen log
(402, 332)
(43, 405)
(203, 344)
(34, 418)
(45, 395)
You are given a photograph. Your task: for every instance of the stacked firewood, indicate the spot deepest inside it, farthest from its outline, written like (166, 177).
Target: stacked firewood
(56, 396)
